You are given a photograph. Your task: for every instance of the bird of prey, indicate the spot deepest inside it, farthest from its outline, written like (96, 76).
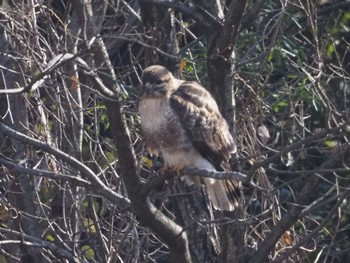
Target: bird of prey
(181, 120)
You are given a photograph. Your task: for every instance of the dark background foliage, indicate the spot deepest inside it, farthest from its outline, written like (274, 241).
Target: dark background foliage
(77, 184)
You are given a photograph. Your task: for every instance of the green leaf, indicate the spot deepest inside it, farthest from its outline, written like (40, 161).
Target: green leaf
(292, 76)
(330, 50)
(88, 252)
(282, 104)
(89, 224)
(276, 109)
(330, 143)
(277, 106)
(50, 238)
(3, 259)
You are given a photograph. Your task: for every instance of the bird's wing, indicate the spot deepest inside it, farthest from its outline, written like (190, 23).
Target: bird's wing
(203, 123)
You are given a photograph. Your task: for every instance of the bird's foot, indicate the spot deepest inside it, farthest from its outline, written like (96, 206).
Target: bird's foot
(178, 169)
(166, 169)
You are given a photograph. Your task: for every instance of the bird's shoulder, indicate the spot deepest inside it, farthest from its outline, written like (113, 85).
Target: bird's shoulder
(201, 119)
(190, 95)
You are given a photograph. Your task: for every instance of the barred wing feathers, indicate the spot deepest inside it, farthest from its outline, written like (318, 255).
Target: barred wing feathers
(205, 126)
(208, 131)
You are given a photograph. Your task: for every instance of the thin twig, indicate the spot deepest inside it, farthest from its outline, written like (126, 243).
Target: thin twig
(33, 241)
(98, 186)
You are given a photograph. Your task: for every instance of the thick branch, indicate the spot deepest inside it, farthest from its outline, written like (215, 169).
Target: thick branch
(296, 146)
(231, 27)
(305, 197)
(36, 172)
(203, 17)
(98, 186)
(55, 63)
(159, 180)
(38, 242)
(221, 61)
(305, 240)
(165, 228)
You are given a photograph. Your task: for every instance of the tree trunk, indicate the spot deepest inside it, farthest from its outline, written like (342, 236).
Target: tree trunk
(22, 197)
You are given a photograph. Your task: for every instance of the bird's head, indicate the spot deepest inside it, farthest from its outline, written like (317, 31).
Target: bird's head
(156, 81)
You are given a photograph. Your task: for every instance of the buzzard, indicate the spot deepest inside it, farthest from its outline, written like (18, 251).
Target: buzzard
(181, 120)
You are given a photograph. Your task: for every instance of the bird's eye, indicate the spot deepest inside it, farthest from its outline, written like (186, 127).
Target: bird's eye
(147, 85)
(158, 81)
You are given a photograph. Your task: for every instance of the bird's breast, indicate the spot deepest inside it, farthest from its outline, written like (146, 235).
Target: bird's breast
(163, 132)
(154, 114)
(161, 126)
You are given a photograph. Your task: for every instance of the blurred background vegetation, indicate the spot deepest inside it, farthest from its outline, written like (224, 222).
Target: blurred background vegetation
(76, 182)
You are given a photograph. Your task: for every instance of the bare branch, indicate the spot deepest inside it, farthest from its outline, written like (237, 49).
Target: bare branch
(165, 228)
(36, 172)
(186, 171)
(33, 241)
(297, 145)
(187, 8)
(315, 231)
(99, 186)
(304, 197)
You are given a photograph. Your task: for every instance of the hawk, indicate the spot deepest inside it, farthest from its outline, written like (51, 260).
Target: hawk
(181, 120)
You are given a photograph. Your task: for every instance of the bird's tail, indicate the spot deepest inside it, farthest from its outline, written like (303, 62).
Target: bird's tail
(223, 194)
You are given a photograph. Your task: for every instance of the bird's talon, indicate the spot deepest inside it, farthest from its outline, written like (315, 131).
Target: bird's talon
(178, 169)
(164, 170)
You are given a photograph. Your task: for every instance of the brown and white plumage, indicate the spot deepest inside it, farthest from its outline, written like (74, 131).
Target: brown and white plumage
(181, 120)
